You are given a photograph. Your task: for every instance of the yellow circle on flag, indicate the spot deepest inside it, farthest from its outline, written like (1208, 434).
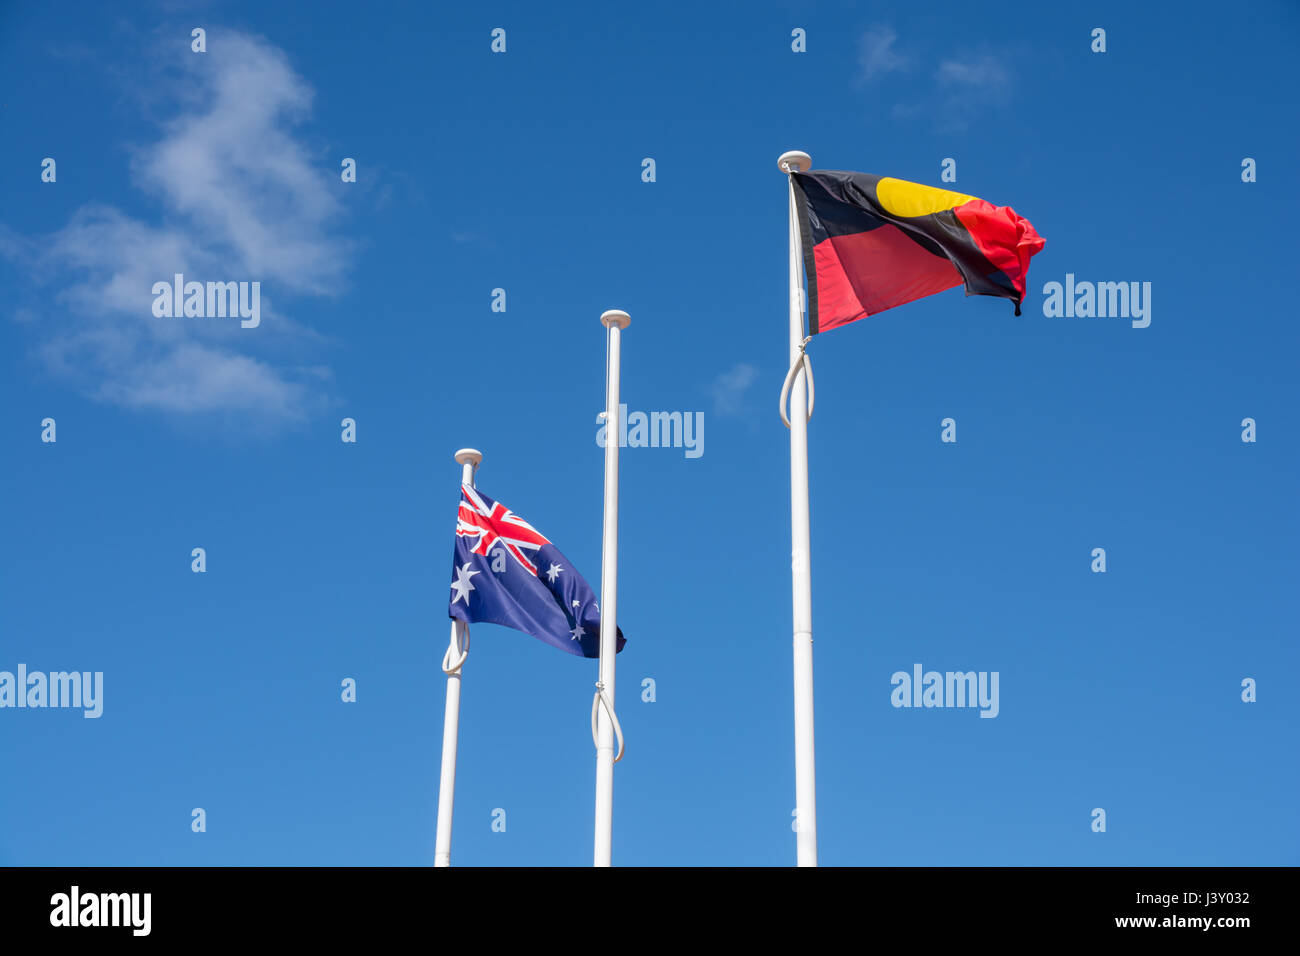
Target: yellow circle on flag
(901, 198)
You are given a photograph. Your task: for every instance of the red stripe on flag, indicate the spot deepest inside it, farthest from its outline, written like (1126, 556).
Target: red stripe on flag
(869, 272)
(1005, 239)
(837, 302)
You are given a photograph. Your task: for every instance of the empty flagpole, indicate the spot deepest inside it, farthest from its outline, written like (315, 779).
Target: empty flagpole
(805, 764)
(615, 322)
(452, 661)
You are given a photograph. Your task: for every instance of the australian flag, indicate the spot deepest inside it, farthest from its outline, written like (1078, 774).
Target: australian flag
(506, 573)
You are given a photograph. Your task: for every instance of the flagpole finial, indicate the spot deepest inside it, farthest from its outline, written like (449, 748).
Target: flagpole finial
(615, 317)
(794, 161)
(469, 456)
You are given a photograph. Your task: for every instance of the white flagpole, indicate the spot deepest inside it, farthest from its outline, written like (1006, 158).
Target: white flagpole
(603, 703)
(452, 661)
(805, 765)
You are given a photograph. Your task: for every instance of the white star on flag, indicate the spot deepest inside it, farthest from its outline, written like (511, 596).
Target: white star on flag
(553, 572)
(577, 631)
(461, 585)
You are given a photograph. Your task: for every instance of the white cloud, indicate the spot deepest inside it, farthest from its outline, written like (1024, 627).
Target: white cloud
(968, 87)
(196, 378)
(963, 87)
(241, 201)
(985, 73)
(730, 387)
(236, 170)
(876, 53)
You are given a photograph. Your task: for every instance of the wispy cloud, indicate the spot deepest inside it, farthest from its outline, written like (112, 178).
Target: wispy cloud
(985, 73)
(729, 389)
(240, 199)
(967, 87)
(876, 53)
(962, 86)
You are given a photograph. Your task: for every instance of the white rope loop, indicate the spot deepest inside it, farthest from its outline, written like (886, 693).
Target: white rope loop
(454, 647)
(596, 701)
(802, 361)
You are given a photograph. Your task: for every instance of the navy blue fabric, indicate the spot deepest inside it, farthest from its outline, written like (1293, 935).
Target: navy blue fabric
(555, 604)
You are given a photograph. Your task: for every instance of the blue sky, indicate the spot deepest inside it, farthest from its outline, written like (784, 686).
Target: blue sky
(522, 171)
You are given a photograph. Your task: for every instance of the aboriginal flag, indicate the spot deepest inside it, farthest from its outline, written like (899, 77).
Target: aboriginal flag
(871, 243)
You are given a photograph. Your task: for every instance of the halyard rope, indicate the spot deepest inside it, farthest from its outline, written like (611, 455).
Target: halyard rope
(453, 645)
(801, 361)
(596, 701)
